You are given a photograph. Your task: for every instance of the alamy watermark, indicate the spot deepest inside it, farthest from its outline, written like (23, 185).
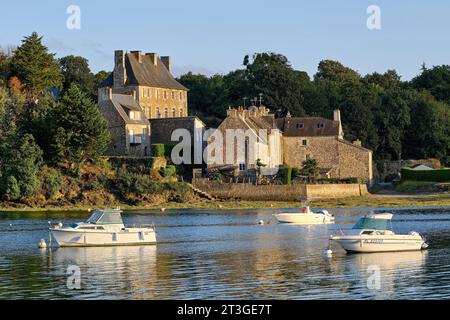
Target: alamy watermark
(73, 21)
(73, 273)
(374, 18)
(374, 278)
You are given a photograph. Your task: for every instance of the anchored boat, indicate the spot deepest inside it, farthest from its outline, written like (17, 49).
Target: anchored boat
(305, 216)
(373, 233)
(103, 228)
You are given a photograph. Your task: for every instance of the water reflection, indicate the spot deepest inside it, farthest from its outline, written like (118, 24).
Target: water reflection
(226, 256)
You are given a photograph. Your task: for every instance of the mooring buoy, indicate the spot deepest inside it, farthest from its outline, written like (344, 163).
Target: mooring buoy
(261, 222)
(42, 244)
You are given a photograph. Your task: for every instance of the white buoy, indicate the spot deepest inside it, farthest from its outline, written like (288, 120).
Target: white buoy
(42, 244)
(261, 222)
(327, 252)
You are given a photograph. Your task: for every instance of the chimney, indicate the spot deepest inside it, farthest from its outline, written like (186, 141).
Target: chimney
(120, 72)
(231, 112)
(337, 117)
(138, 55)
(357, 142)
(167, 60)
(153, 58)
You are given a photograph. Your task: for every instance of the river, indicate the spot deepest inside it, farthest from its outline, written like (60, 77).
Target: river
(225, 255)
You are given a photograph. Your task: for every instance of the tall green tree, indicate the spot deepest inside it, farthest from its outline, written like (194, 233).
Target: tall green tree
(37, 69)
(79, 131)
(436, 81)
(75, 70)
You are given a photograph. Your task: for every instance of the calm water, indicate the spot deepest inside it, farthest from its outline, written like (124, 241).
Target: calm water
(224, 255)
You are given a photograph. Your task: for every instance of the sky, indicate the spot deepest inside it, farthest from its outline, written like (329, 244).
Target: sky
(213, 36)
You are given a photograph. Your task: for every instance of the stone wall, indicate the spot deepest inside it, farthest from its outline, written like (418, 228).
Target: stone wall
(293, 192)
(345, 159)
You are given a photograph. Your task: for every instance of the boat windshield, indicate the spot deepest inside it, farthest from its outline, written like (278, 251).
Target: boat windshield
(370, 223)
(107, 217)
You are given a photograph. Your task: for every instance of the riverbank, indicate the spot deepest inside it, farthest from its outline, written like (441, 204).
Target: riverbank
(373, 200)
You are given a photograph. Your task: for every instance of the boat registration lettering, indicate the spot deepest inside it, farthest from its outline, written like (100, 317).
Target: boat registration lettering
(373, 241)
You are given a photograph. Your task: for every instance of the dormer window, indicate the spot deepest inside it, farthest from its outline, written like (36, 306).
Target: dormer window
(300, 125)
(135, 115)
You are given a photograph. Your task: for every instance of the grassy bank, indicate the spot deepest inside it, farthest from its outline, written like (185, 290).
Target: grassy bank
(366, 201)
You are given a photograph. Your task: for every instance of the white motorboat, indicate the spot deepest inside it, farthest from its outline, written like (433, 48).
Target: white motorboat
(305, 216)
(373, 233)
(103, 228)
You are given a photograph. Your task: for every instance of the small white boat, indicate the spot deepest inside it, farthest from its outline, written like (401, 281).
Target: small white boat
(305, 216)
(372, 234)
(103, 228)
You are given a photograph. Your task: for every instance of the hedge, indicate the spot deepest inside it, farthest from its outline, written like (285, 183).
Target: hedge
(162, 150)
(436, 175)
(168, 171)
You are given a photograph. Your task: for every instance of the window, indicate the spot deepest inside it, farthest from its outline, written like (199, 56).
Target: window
(300, 125)
(174, 113)
(320, 125)
(158, 113)
(181, 95)
(135, 115)
(157, 93)
(242, 166)
(166, 113)
(181, 112)
(165, 94)
(148, 93)
(304, 142)
(173, 95)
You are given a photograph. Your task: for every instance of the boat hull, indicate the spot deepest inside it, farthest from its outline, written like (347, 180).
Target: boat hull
(379, 244)
(69, 238)
(303, 218)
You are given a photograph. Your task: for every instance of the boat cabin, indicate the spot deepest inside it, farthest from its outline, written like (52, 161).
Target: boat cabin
(374, 224)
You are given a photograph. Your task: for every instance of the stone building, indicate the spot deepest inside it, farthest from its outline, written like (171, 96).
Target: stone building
(148, 77)
(296, 139)
(323, 140)
(245, 137)
(130, 130)
(165, 129)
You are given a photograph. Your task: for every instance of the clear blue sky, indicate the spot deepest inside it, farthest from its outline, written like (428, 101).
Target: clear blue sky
(212, 36)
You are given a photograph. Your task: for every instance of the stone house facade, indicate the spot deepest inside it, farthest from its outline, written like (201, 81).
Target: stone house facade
(164, 129)
(149, 79)
(130, 130)
(245, 137)
(300, 138)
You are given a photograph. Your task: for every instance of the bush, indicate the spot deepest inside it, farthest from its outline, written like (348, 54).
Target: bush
(168, 171)
(12, 190)
(286, 174)
(158, 150)
(437, 175)
(51, 182)
(136, 164)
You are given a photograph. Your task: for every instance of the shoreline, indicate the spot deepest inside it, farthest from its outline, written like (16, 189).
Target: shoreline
(371, 201)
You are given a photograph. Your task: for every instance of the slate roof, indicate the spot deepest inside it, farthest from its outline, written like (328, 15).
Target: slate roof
(307, 126)
(146, 74)
(125, 103)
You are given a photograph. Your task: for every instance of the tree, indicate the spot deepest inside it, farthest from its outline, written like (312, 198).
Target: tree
(79, 131)
(310, 169)
(20, 161)
(436, 81)
(271, 75)
(36, 68)
(428, 135)
(75, 70)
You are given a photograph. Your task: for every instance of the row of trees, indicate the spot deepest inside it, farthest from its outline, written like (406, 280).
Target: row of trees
(47, 116)
(395, 118)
